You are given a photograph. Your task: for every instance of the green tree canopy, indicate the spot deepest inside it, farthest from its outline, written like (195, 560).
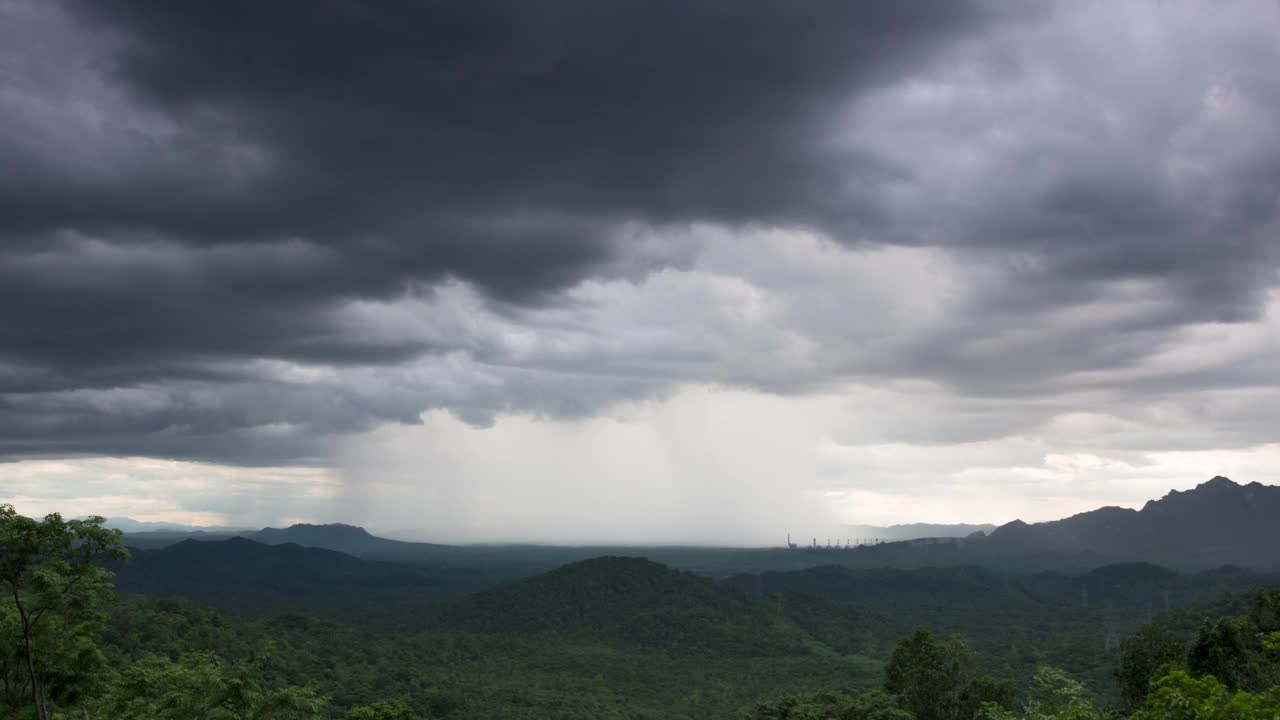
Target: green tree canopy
(936, 681)
(1054, 696)
(1145, 657)
(203, 686)
(54, 587)
(384, 710)
(829, 705)
(1242, 652)
(1178, 696)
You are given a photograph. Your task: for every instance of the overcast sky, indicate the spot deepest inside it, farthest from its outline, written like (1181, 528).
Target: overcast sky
(635, 271)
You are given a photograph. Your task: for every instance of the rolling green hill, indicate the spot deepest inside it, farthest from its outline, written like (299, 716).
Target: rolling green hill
(254, 577)
(1120, 586)
(1014, 620)
(631, 600)
(604, 638)
(625, 637)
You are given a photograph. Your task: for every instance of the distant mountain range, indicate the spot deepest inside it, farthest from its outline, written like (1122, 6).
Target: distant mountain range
(337, 536)
(129, 525)
(912, 531)
(1217, 523)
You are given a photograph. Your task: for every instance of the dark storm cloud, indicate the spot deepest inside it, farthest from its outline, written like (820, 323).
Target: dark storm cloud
(215, 216)
(496, 141)
(191, 184)
(232, 419)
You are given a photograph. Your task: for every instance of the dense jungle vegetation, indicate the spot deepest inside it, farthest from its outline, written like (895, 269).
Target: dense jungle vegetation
(616, 637)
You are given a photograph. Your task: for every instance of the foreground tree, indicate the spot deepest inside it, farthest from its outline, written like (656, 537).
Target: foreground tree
(1054, 696)
(384, 710)
(936, 681)
(1243, 652)
(54, 587)
(829, 705)
(1178, 696)
(203, 687)
(1145, 657)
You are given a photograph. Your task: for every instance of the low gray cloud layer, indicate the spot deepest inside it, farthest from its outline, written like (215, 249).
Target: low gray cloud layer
(239, 233)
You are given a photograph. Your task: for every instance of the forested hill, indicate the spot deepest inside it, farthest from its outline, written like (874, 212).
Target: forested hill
(248, 575)
(1129, 585)
(643, 624)
(1015, 620)
(632, 600)
(607, 638)
(610, 637)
